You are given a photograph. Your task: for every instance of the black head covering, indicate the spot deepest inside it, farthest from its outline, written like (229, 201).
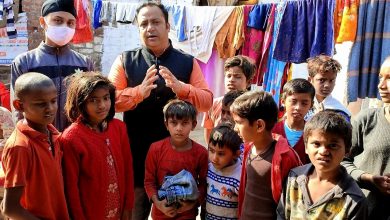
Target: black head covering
(50, 6)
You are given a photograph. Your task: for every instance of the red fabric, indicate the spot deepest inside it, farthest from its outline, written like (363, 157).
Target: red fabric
(163, 160)
(85, 169)
(28, 162)
(299, 147)
(283, 160)
(83, 32)
(5, 97)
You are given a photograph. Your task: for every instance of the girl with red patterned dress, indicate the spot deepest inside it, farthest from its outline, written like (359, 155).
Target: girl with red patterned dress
(97, 164)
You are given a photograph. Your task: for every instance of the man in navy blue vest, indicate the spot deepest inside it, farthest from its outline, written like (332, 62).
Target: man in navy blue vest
(146, 79)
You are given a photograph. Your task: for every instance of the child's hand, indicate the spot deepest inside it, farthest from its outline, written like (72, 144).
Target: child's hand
(382, 183)
(186, 205)
(169, 211)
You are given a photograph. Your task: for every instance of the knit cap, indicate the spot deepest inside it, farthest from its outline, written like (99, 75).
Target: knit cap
(50, 6)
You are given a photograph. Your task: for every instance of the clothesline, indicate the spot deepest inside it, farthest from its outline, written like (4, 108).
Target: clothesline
(292, 36)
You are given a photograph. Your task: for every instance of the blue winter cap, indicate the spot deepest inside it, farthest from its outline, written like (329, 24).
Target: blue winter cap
(50, 6)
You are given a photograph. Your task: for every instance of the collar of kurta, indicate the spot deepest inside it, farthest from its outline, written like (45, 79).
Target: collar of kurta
(149, 53)
(53, 50)
(24, 128)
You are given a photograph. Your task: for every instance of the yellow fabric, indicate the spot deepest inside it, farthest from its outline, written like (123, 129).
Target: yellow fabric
(289, 72)
(247, 2)
(345, 21)
(239, 36)
(226, 41)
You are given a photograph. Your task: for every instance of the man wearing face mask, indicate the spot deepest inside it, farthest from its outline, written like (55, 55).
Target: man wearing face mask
(53, 57)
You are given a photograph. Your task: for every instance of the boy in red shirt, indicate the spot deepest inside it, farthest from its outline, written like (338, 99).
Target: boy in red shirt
(169, 156)
(255, 114)
(32, 158)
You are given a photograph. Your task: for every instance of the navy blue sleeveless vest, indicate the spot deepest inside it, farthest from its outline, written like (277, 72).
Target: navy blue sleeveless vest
(145, 123)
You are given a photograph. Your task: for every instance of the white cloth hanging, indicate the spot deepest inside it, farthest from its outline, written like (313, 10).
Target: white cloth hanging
(203, 24)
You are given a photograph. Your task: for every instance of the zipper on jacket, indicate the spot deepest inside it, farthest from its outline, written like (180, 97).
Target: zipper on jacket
(59, 86)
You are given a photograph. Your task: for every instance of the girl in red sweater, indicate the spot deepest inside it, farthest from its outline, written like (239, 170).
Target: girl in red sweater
(97, 164)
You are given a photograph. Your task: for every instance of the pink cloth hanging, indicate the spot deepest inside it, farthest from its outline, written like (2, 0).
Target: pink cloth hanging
(253, 40)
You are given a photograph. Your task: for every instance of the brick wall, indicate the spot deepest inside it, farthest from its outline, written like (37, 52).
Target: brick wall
(36, 35)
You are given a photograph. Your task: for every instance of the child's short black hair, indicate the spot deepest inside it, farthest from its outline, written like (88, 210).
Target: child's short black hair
(330, 122)
(244, 63)
(80, 86)
(230, 96)
(30, 81)
(179, 109)
(224, 136)
(322, 64)
(298, 86)
(254, 105)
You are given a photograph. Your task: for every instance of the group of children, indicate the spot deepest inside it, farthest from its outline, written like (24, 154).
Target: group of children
(251, 170)
(84, 173)
(314, 132)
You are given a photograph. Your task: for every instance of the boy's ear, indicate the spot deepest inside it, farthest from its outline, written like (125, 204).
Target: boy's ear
(18, 105)
(166, 124)
(282, 101)
(260, 124)
(194, 123)
(310, 79)
(237, 154)
(42, 22)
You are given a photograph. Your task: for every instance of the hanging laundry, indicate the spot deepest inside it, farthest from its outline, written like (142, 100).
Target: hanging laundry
(370, 49)
(83, 32)
(247, 2)
(253, 38)
(230, 37)
(258, 16)
(177, 2)
(202, 30)
(199, 25)
(264, 55)
(125, 12)
(177, 19)
(97, 8)
(222, 2)
(272, 80)
(306, 30)
(239, 36)
(6, 8)
(345, 20)
(108, 12)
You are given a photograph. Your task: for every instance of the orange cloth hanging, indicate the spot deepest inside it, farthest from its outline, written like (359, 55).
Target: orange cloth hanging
(248, 2)
(230, 37)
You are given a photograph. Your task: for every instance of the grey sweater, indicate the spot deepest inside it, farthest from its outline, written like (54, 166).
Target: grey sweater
(370, 153)
(56, 63)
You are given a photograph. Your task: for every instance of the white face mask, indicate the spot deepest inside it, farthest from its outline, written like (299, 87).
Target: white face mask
(60, 35)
